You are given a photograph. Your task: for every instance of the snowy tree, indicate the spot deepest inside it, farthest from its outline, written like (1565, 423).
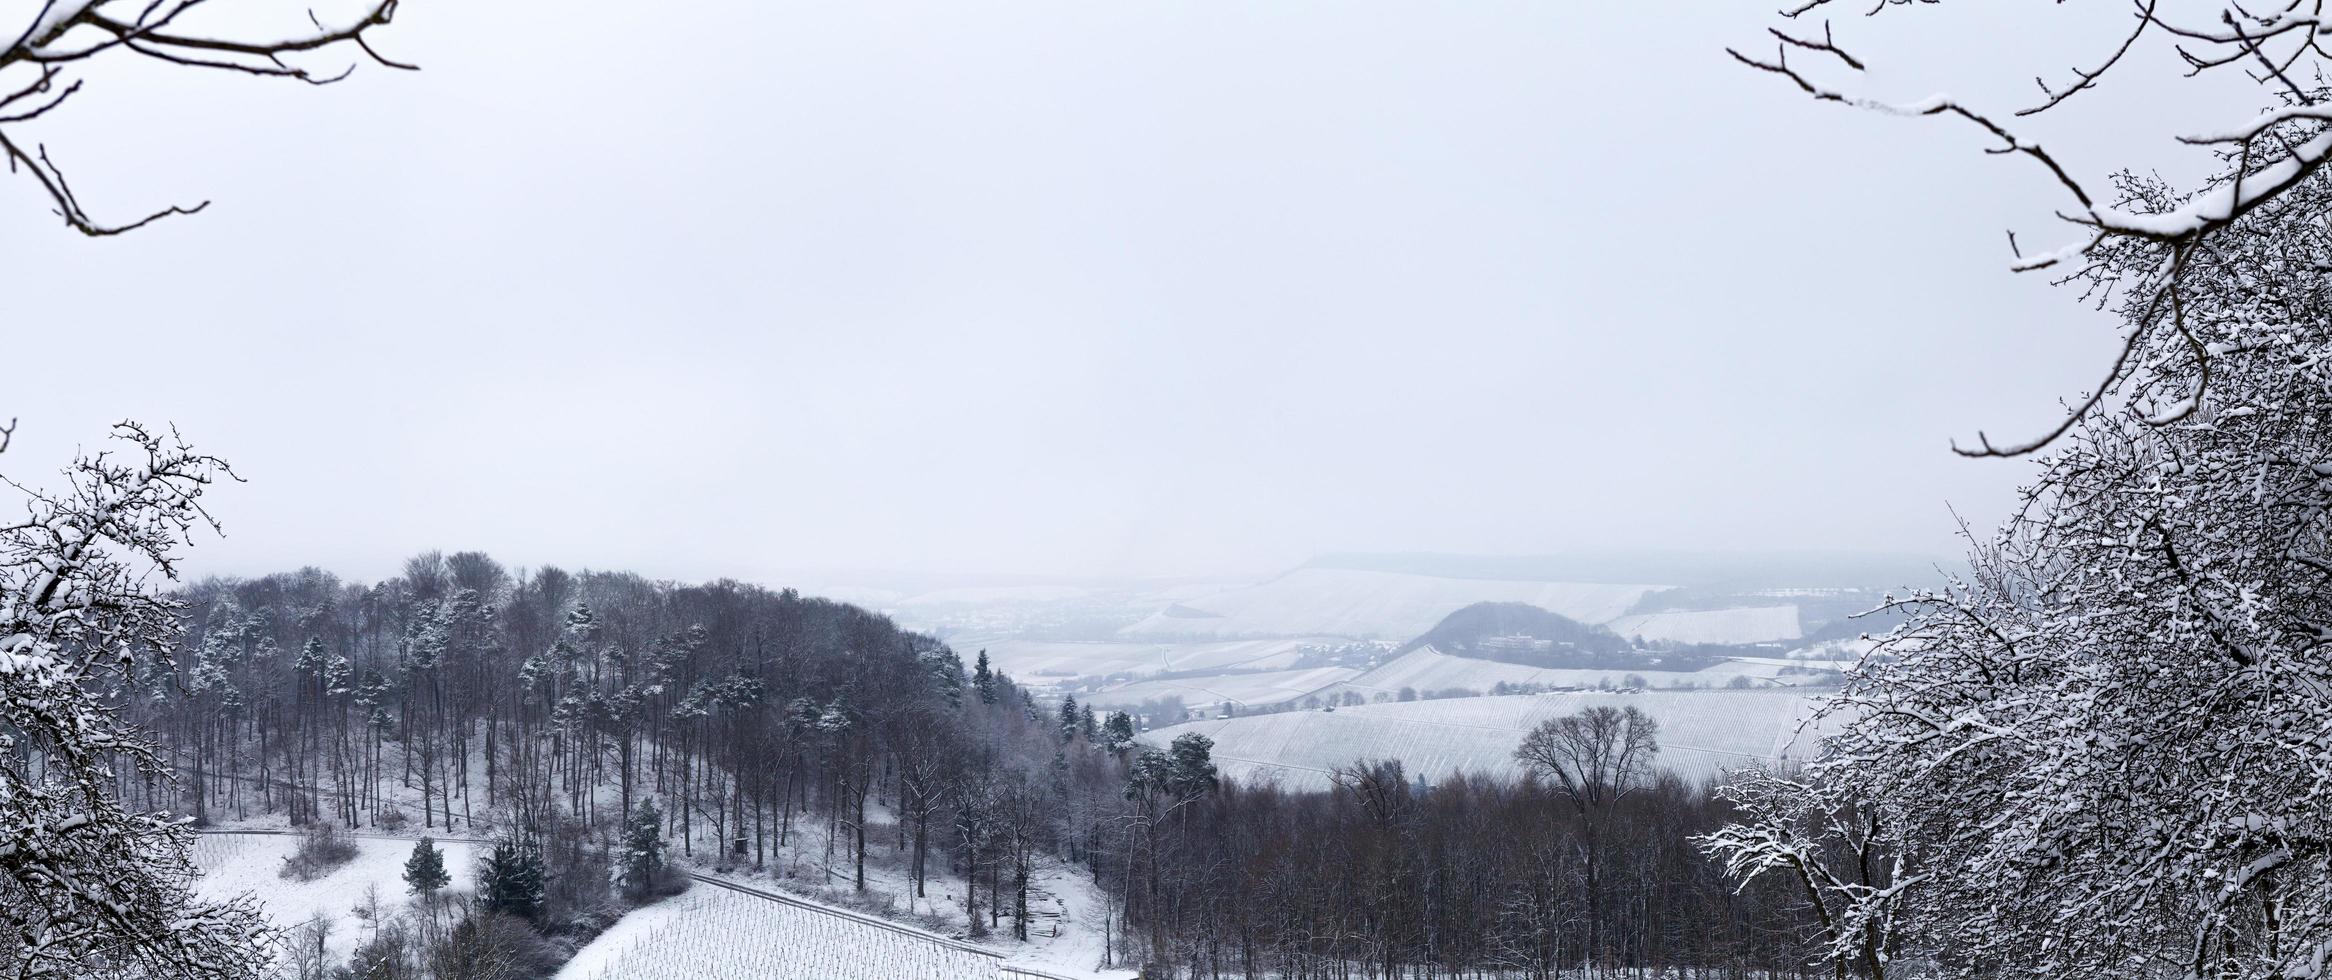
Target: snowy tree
(1069, 719)
(87, 884)
(984, 679)
(46, 61)
(1117, 734)
(1848, 860)
(1597, 758)
(425, 870)
(640, 861)
(2107, 749)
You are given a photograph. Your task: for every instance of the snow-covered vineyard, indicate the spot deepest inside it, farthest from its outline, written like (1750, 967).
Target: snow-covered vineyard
(721, 933)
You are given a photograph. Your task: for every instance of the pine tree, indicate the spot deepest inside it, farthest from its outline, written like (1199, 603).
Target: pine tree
(642, 861)
(425, 870)
(511, 881)
(984, 679)
(1069, 718)
(1118, 734)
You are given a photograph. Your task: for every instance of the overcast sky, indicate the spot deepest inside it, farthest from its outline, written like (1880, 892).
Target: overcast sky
(1149, 288)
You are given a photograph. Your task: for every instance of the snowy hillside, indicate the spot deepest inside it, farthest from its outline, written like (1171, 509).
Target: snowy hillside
(717, 931)
(1701, 732)
(232, 864)
(1756, 624)
(1261, 688)
(1372, 604)
(1041, 660)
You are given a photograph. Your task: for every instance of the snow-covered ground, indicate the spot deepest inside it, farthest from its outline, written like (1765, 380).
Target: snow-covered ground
(1701, 733)
(714, 933)
(1427, 669)
(759, 930)
(232, 864)
(1371, 604)
(1754, 624)
(1040, 661)
(1267, 687)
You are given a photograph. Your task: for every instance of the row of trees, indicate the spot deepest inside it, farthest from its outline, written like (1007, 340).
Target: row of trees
(1587, 865)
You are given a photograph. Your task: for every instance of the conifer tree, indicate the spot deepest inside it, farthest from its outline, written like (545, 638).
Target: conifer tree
(425, 870)
(1118, 734)
(1069, 718)
(511, 882)
(642, 860)
(984, 679)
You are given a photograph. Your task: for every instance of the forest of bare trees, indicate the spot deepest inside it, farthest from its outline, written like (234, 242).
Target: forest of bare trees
(466, 698)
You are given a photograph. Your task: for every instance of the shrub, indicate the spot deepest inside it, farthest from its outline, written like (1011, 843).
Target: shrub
(322, 848)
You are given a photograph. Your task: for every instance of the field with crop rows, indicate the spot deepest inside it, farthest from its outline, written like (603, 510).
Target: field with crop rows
(1267, 687)
(715, 933)
(1754, 624)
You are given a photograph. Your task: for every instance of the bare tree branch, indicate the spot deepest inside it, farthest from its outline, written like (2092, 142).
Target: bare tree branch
(46, 49)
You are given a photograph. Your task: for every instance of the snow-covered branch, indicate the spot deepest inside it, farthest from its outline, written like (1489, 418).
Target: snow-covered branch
(88, 885)
(41, 70)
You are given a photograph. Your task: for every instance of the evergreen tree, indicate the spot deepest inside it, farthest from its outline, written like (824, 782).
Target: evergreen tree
(642, 859)
(1090, 725)
(1118, 734)
(1069, 718)
(984, 679)
(425, 870)
(511, 882)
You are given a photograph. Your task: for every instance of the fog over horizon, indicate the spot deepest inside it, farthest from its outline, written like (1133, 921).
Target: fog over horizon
(1060, 292)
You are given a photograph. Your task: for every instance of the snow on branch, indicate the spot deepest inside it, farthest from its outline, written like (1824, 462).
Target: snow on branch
(40, 70)
(2142, 246)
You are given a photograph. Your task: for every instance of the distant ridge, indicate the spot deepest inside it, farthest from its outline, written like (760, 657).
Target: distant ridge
(1491, 631)
(1717, 570)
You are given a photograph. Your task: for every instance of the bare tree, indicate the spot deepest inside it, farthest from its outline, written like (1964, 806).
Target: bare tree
(89, 885)
(1597, 758)
(45, 65)
(2137, 238)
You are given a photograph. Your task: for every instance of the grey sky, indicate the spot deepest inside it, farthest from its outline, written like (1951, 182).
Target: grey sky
(1074, 288)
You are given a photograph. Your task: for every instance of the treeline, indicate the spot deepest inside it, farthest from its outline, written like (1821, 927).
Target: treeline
(1593, 870)
(545, 707)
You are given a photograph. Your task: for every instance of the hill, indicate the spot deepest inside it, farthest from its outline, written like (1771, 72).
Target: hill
(1370, 604)
(1701, 733)
(1521, 633)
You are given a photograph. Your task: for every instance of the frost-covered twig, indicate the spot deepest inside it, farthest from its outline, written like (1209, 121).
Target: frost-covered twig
(38, 71)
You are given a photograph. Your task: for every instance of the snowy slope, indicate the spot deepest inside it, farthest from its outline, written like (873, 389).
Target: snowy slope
(1701, 732)
(1267, 687)
(1040, 660)
(232, 864)
(1755, 624)
(716, 932)
(1427, 669)
(1371, 604)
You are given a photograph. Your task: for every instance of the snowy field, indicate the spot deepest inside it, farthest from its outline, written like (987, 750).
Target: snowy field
(232, 864)
(1755, 624)
(1428, 669)
(1375, 605)
(1040, 660)
(1701, 733)
(1268, 687)
(716, 934)
(719, 933)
